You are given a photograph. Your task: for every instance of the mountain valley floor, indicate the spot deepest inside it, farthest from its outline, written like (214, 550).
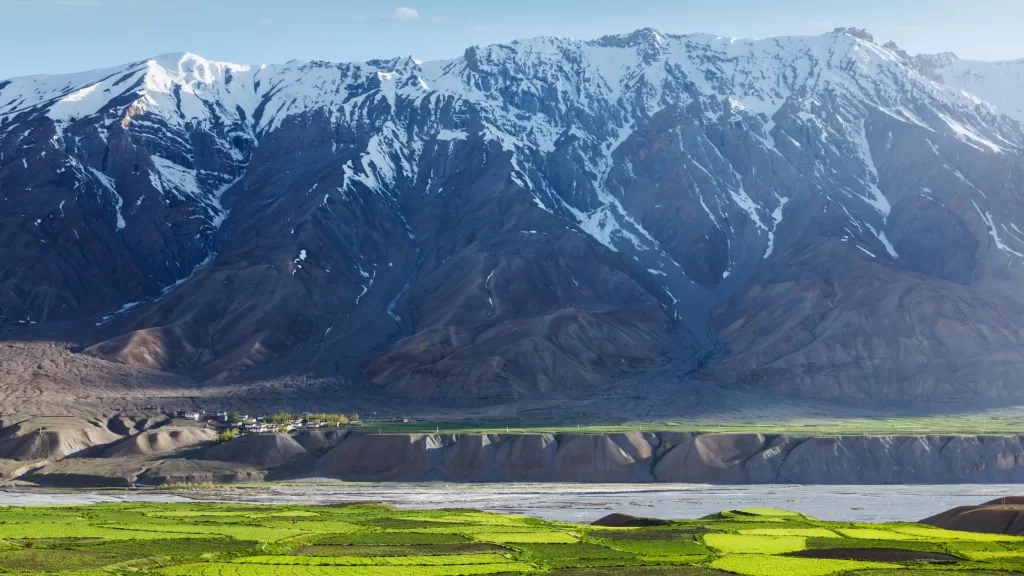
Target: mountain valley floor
(367, 539)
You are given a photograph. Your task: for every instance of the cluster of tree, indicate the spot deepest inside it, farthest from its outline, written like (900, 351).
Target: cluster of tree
(284, 418)
(333, 419)
(228, 435)
(280, 418)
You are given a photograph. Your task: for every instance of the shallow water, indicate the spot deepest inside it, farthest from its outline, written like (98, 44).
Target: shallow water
(75, 498)
(586, 502)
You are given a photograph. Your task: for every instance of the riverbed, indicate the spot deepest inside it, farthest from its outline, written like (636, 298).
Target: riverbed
(578, 502)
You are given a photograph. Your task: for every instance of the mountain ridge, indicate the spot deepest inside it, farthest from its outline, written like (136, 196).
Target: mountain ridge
(537, 218)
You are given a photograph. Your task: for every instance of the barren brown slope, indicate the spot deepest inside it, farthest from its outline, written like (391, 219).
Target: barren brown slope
(159, 441)
(987, 518)
(36, 439)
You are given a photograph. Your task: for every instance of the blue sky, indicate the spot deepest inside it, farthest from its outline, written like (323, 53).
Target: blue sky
(52, 36)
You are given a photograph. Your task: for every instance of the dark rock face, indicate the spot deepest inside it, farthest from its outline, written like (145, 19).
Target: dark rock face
(993, 518)
(617, 520)
(599, 458)
(711, 459)
(539, 219)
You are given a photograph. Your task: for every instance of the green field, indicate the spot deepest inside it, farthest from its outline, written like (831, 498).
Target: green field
(996, 423)
(373, 540)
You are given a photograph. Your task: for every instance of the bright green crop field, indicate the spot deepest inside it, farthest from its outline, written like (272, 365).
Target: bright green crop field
(375, 540)
(995, 423)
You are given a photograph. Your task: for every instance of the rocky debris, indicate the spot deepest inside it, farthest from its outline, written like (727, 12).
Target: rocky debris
(994, 517)
(257, 450)
(159, 441)
(42, 374)
(619, 520)
(37, 439)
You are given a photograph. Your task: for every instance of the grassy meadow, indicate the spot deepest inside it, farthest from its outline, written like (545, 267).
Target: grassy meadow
(994, 423)
(373, 540)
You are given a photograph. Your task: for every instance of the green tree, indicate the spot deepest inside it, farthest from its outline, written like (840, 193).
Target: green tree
(227, 435)
(279, 418)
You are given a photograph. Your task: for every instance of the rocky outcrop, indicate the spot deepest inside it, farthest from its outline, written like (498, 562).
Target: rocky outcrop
(527, 458)
(711, 458)
(613, 458)
(682, 458)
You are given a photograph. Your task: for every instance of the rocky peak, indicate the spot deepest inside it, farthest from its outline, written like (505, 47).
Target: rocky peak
(930, 64)
(642, 37)
(649, 43)
(895, 49)
(399, 65)
(861, 33)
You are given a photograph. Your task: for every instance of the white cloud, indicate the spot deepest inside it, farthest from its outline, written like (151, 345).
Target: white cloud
(267, 22)
(404, 14)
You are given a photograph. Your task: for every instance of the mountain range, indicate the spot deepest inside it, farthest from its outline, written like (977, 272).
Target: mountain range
(818, 217)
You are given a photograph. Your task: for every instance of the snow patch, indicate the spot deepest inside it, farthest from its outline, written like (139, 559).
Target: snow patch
(776, 220)
(970, 137)
(109, 184)
(446, 134)
(990, 222)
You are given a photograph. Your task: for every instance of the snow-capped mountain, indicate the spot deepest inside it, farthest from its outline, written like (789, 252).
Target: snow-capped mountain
(821, 214)
(998, 83)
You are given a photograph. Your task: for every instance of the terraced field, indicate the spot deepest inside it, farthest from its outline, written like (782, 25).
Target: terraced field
(374, 540)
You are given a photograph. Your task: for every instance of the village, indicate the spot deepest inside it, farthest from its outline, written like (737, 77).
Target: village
(235, 423)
